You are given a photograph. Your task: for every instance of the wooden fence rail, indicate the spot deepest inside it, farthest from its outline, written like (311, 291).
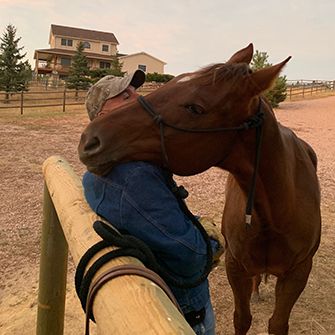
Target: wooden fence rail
(40, 99)
(304, 88)
(52, 97)
(36, 97)
(127, 304)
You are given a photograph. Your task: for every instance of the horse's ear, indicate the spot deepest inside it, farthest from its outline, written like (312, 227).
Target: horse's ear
(242, 56)
(264, 78)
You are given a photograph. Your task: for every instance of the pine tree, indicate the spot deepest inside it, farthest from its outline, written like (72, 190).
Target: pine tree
(79, 72)
(277, 93)
(115, 70)
(14, 72)
(116, 67)
(259, 60)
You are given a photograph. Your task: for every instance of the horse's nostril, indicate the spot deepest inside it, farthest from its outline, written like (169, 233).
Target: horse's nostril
(92, 145)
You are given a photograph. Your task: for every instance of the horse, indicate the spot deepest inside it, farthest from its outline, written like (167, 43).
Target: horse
(217, 116)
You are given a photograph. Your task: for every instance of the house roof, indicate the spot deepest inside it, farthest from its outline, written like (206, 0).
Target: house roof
(71, 53)
(84, 34)
(141, 53)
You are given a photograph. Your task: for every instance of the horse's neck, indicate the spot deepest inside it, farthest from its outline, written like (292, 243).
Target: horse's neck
(273, 150)
(275, 168)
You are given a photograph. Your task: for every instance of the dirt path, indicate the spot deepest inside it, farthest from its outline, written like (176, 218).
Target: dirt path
(25, 142)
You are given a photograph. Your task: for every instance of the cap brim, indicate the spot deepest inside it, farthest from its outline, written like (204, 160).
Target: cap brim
(137, 78)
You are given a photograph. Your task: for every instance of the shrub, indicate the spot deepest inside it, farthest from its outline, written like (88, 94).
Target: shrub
(158, 77)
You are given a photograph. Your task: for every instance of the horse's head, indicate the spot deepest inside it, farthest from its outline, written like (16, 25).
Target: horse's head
(161, 127)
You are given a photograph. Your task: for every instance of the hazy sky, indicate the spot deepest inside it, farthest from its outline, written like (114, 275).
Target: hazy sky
(189, 34)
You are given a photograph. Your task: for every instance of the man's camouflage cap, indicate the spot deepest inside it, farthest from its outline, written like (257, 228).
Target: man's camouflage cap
(109, 87)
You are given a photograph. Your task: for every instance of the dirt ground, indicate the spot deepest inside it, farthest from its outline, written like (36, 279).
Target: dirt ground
(26, 141)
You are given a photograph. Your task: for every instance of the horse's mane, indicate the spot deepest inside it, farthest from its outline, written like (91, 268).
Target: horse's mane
(213, 73)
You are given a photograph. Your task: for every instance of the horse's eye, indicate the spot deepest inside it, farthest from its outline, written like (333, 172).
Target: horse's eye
(195, 109)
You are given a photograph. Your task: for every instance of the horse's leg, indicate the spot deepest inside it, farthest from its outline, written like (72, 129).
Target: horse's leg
(241, 284)
(288, 290)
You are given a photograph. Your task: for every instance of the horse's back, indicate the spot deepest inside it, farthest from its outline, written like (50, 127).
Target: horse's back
(301, 161)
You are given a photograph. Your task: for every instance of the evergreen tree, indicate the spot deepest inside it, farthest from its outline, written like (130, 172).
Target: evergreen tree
(116, 67)
(14, 72)
(277, 93)
(259, 60)
(115, 70)
(79, 72)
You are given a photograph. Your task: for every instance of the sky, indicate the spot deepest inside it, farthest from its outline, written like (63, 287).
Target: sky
(187, 34)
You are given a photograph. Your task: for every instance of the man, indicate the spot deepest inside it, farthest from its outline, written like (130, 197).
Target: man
(135, 197)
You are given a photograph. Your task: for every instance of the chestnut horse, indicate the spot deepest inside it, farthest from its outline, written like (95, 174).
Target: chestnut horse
(217, 117)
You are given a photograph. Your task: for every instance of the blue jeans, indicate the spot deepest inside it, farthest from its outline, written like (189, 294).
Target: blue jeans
(207, 327)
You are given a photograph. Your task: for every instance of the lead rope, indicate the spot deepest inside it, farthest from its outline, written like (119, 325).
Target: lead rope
(252, 189)
(251, 194)
(123, 270)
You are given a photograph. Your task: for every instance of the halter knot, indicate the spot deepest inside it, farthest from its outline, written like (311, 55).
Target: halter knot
(255, 121)
(158, 118)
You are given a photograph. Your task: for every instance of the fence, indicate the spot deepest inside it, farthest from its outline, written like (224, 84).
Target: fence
(52, 94)
(304, 88)
(41, 94)
(39, 99)
(124, 305)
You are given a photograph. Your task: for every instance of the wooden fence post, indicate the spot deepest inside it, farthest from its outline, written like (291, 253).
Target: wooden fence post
(128, 304)
(64, 99)
(21, 102)
(53, 271)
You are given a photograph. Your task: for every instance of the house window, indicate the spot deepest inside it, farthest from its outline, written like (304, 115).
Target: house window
(65, 61)
(142, 67)
(105, 65)
(105, 47)
(87, 45)
(66, 42)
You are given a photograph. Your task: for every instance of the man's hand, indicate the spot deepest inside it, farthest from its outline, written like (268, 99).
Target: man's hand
(215, 234)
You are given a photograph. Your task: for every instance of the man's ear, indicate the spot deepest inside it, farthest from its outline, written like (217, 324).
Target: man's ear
(264, 78)
(242, 56)
(100, 114)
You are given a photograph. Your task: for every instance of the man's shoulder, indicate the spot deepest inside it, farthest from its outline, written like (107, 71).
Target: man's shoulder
(136, 167)
(139, 175)
(132, 171)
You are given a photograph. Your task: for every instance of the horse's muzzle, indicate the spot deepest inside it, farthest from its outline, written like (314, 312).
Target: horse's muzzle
(88, 147)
